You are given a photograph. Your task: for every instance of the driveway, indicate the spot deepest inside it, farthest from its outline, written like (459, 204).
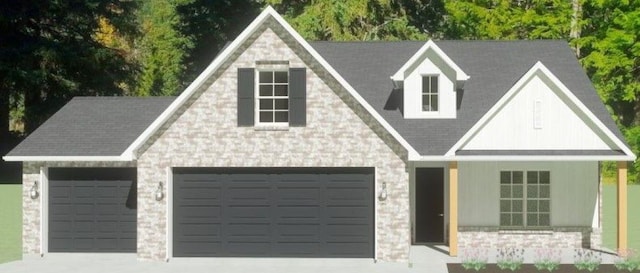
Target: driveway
(127, 263)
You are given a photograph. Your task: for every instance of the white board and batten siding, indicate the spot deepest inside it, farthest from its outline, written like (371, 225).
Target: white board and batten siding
(431, 64)
(574, 189)
(539, 117)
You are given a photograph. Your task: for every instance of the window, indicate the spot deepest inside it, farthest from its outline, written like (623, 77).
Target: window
(525, 200)
(430, 93)
(273, 97)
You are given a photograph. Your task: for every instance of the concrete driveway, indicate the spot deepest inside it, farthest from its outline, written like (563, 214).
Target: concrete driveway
(127, 263)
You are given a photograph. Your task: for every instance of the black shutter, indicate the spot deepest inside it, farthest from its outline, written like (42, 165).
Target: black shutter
(297, 97)
(246, 93)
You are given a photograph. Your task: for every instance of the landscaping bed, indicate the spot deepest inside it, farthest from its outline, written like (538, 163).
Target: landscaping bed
(529, 268)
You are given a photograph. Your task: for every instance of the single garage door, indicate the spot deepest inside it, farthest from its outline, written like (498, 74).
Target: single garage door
(92, 210)
(258, 212)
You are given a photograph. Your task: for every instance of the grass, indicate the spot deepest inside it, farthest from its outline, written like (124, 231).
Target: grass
(10, 222)
(609, 216)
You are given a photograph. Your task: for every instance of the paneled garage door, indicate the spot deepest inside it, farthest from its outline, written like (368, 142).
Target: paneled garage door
(258, 212)
(92, 210)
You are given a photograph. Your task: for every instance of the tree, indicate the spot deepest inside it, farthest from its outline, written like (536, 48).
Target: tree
(163, 48)
(508, 19)
(211, 24)
(354, 20)
(610, 44)
(49, 53)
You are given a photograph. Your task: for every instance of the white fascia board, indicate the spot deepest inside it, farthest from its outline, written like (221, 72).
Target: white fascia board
(66, 158)
(517, 86)
(524, 158)
(399, 75)
(269, 11)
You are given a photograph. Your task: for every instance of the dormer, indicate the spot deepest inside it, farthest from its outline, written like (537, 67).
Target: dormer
(429, 81)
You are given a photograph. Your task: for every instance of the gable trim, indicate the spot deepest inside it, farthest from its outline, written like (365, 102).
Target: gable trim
(503, 158)
(399, 75)
(538, 66)
(130, 152)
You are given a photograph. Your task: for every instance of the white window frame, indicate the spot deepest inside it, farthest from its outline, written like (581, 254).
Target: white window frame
(429, 93)
(525, 185)
(273, 97)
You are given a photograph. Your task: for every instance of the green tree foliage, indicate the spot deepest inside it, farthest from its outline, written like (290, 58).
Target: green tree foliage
(49, 53)
(507, 19)
(211, 24)
(610, 45)
(611, 50)
(163, 48)
(353, 20)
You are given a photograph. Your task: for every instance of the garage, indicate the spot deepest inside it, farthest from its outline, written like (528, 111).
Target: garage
(273, 212)
(92, 210)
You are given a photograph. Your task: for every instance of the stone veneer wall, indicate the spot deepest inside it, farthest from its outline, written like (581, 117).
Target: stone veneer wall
(31, 236)
(339, 133)
(490, 237)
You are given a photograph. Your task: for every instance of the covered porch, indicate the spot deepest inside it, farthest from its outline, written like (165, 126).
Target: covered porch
(522, 204)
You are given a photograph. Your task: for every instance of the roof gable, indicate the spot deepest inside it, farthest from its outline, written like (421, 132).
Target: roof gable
(204, 78)
(420, 55)
(515, 112)
(495, 66)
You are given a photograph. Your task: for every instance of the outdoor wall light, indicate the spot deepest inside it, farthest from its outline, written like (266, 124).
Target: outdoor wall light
(383, 192)
(159, 192)
(33, 192)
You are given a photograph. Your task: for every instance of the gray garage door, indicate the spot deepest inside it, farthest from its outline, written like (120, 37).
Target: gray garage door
(257, 212)
(92, 210)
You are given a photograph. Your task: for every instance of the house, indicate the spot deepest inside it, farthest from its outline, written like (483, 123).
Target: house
(288, 148)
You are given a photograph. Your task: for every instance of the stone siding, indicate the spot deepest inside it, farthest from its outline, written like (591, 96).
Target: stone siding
(489, 237)
(339, 133)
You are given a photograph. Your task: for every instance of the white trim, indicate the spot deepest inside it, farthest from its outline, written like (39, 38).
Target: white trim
(169, 214)
(399, 75)
(273, 97)
(66, 158)
(376, 204)
(44, 210)
(517, 87)
(525, 158)
(217, 62)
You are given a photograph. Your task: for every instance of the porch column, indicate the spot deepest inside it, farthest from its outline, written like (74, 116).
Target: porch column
(453, 208)
(622, 206)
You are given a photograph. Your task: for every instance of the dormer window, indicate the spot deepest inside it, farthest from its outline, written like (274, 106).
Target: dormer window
(430, 93)
(429, 81)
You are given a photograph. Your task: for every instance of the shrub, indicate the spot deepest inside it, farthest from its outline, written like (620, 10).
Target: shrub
(510, 258)
(474, 258)
(585, 259)
(628, 260)
(547, 259)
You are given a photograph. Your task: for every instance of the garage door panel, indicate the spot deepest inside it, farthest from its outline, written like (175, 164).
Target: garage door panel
(88, 212)
(201, 229)
(299, 231)
(273, 212)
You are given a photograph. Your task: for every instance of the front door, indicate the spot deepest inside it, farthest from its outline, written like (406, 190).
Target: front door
(429, 205)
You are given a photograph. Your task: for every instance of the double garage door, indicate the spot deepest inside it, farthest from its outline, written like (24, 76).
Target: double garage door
(258, 212)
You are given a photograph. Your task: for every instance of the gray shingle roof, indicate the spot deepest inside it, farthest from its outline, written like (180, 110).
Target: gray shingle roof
(93, 126)
(106, 126)
(494, 66)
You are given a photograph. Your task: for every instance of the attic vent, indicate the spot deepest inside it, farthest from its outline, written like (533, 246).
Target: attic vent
(537, 114)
